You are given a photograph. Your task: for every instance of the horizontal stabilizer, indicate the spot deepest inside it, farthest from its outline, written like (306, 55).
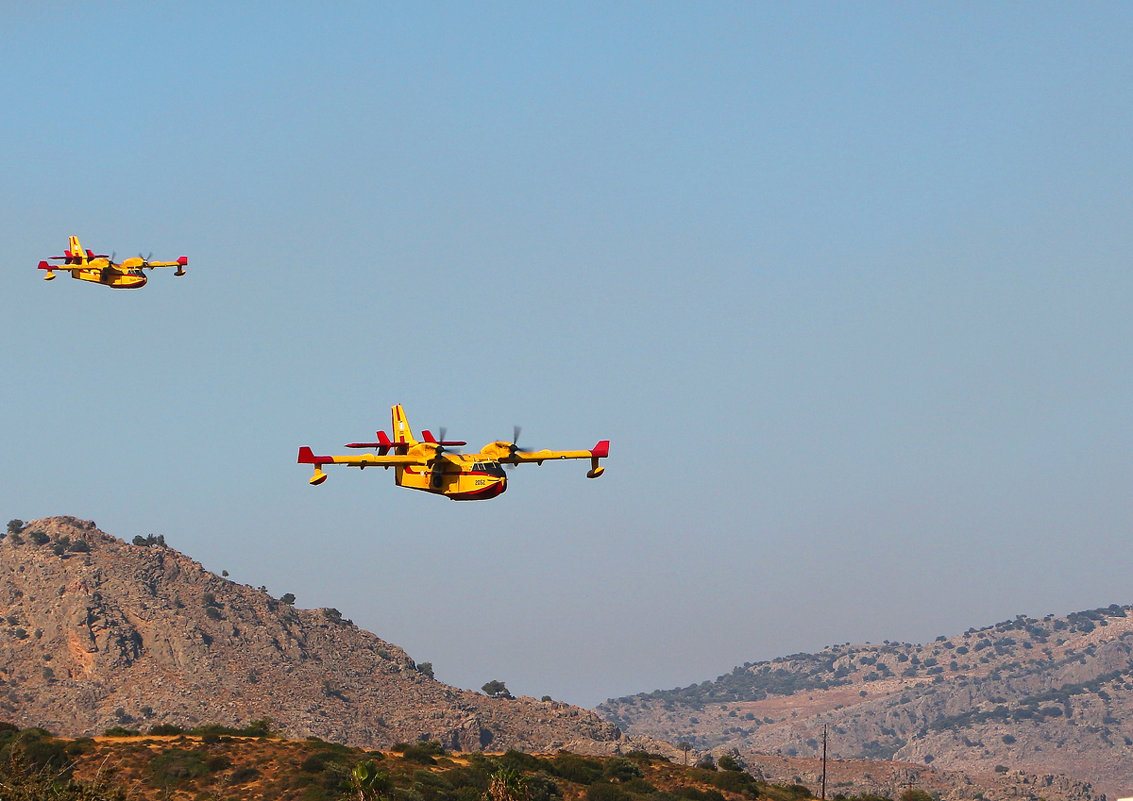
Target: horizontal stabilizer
(307, 456)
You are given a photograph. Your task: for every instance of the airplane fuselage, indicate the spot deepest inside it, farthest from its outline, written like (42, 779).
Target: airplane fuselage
(115, 277)
(459, 477)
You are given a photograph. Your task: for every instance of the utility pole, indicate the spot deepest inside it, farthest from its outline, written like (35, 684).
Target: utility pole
(824, 762)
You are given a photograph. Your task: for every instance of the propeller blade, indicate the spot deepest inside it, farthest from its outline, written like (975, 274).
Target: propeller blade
(513, 448)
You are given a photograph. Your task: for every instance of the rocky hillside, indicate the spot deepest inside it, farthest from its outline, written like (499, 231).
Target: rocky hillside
(1048, 697)
(97, 633)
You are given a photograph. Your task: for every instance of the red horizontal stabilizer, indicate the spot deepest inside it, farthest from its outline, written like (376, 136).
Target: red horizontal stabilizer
(427, 436)
(601, 450)
(306, 456)
(363, 445)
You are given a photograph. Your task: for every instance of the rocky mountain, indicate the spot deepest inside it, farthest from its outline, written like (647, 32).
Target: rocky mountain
(1047, 697)
(97, 633)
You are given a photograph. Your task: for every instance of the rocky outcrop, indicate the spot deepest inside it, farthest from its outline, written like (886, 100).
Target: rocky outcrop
(1050, 698)
(96, 633)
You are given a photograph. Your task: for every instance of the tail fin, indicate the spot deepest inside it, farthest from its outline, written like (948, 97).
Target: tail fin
(76, 252)
(402, 433)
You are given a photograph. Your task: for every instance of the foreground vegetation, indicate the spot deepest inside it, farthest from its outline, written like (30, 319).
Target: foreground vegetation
(252, 763)
(216, 763)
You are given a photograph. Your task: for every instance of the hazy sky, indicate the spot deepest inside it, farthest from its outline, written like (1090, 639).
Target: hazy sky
(847, 286)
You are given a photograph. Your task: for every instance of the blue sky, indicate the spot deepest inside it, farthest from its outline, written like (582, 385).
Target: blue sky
(845, 284)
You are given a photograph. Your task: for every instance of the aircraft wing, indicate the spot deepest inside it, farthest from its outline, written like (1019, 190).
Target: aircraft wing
(181, 262)
(599, 451)
(306, 456)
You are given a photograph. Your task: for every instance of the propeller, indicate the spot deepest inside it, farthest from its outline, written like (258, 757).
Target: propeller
(440, 441)
(436, 470)
(442, 445)
(513, 446)
(145, 259)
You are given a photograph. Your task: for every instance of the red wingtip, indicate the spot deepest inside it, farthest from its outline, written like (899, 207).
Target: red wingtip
(183, 260)
(44, 266)
(601, 450)
(306, 456)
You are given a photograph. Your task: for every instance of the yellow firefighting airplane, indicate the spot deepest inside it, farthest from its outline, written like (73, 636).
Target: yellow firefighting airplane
(430, 466)
(86, 266)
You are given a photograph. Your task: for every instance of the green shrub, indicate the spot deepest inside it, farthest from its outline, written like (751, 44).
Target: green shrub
(34, 750)
(23, 782)
(604, 791)
(424, 752)
(638, 787)
(575, 768)
(728, 762)
(121, 731)
(521, 761)
(257, 728)
(79, 746)
(496, 689)
(244, 775)
(697, 794)
(314, 763)
(218, 762)
(541, 787)
(620, 769)
(736, 781)
(177, 765)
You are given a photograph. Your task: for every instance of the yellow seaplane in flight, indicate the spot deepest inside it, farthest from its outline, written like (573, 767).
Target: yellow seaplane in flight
(429, 465)
(85, 266)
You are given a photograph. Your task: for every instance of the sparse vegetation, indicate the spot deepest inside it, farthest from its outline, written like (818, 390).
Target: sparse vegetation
(150, 540)
(496, 689)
